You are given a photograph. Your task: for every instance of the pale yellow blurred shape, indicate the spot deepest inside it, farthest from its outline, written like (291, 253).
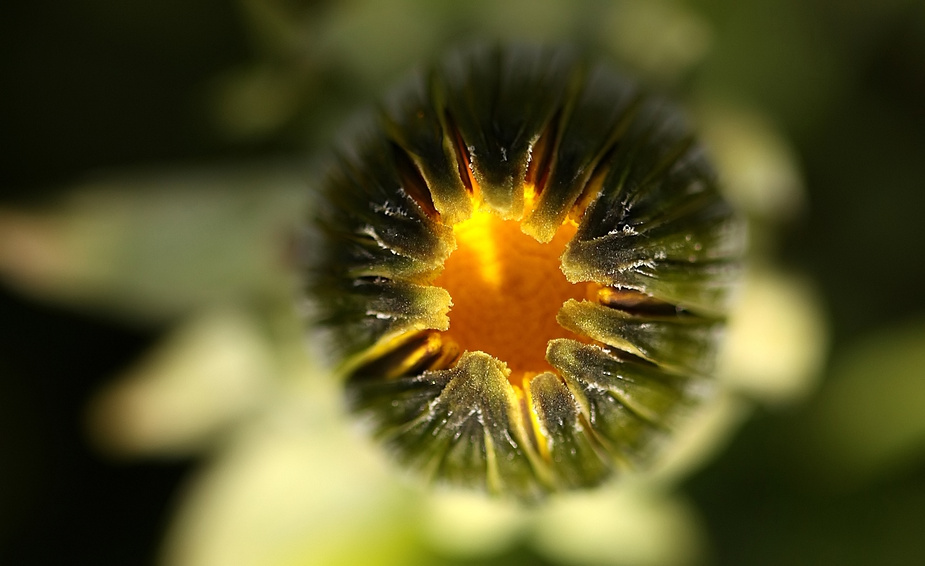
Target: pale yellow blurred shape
(469, 525)
(776, 340)
(759, 170)
(660, 38)
(298, 487)
(184, 393)
(624, 523)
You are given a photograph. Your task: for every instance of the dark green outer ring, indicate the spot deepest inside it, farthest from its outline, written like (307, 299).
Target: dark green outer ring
(654, 223)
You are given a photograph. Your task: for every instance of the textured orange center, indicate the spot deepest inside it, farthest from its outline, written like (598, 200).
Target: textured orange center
(506, 289)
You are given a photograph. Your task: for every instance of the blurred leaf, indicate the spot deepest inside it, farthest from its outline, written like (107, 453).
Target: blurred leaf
(187, 391)
(155, 247)
(777, 338)
(869, 421)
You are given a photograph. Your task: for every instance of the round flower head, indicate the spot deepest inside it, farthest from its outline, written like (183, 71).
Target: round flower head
(524, 264)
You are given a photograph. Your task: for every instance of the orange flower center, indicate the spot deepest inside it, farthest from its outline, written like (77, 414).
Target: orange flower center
(507, 289)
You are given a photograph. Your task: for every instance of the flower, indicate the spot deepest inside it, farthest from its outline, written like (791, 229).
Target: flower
(287, 477)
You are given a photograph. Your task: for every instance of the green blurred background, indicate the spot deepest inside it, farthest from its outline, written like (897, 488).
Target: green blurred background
(104, 85)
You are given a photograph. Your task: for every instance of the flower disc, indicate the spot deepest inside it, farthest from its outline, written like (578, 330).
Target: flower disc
(524, 265)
